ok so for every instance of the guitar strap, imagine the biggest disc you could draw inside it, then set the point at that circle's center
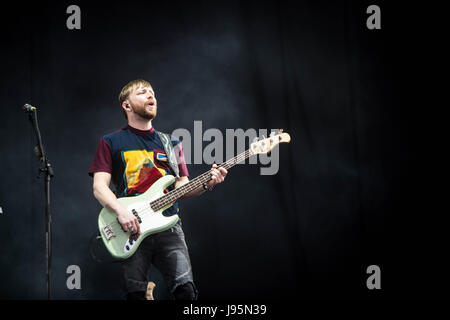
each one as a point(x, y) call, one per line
point(168, 148)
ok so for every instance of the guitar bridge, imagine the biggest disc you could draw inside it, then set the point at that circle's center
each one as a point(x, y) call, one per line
point(108, 232)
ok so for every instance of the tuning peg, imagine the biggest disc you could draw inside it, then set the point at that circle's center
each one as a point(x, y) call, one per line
point(280, 131)
point(263, 136)
point(272, 134)
point(255, 139)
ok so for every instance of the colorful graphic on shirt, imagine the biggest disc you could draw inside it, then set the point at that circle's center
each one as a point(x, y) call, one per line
point(140, 171)
point(161, 156)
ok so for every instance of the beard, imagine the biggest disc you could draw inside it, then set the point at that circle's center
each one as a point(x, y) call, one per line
point(146, 114)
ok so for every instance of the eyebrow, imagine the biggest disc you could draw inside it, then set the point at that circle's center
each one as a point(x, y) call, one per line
point(144, 88)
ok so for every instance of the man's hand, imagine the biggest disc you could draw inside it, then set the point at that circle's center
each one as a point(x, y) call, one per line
point(107, 198)
point(217, 176)
point(128, 221)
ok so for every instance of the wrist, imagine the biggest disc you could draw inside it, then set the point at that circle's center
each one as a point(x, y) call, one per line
point(205, 187)
point(120, 210)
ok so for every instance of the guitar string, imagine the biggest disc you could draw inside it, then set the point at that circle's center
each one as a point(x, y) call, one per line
point(148, 207)
point(173, 195)
point(148, 210)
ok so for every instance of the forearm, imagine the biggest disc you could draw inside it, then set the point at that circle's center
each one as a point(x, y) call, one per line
point(217, 176)
point(193, 193)
point(107, 198)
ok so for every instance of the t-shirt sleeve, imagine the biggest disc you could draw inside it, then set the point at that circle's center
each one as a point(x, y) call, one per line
point(102, 159)
point(181, 161)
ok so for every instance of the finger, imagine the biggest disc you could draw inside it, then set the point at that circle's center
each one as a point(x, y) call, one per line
point(138, 227)
point(135, 226)
point(131, 226)
point(223, 171)
point(218, 173)
point(217, 178)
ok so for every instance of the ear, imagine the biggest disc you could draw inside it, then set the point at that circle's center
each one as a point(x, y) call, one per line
point(126, 105)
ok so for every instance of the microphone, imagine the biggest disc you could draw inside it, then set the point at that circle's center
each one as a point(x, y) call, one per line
point(28, 107)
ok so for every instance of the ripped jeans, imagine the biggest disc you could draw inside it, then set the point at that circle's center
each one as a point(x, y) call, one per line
point(168, 252)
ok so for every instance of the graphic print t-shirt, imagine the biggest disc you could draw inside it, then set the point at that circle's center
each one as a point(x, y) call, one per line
point(136, 159)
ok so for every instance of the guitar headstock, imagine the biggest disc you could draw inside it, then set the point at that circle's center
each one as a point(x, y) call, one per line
point(266, 145)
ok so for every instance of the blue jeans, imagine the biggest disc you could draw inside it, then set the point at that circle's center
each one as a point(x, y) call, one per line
point(168, 252)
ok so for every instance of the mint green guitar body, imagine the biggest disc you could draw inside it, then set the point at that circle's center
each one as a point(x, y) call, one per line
point(122, 244)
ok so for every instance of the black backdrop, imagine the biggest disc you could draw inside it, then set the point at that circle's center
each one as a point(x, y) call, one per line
point(310, 67)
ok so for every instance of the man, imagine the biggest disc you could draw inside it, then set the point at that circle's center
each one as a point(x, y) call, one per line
point(133, 158)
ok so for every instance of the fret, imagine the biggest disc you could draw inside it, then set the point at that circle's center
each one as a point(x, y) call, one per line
point(175, 194)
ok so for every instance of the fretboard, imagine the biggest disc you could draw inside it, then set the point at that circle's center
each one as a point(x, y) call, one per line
point(177, 193)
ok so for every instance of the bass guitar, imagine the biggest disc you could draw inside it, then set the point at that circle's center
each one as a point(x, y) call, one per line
point(148, 207)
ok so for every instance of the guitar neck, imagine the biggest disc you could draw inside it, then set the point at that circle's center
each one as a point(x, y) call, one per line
point(177, 193)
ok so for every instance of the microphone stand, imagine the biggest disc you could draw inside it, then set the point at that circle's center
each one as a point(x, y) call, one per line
point(48, 174)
